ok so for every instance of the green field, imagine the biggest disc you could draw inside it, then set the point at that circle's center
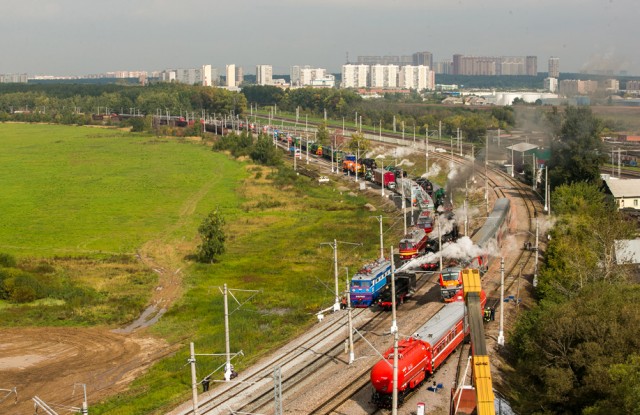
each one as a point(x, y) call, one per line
point(74, 197)
point(76, 190)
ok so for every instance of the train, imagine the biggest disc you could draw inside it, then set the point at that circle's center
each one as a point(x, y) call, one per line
point(369, 282)
point(405, 286)
point(488, 239)
point(413, 244)
point(421, 354)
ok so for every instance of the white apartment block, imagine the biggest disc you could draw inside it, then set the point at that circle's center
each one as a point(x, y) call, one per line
point(13, 78)
point(355, 76)
point(191, 76)
point(551, 84)
point(328, 81)
point(264, 75)
point(306, 75)
point(231, 75)
point(416, 77)
point(384, 76)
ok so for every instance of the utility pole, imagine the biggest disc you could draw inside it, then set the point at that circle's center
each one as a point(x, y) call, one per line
point(394, 401)
point(546, 187)
point(394, 324)
point(535, 275)
point(381, 237)
point(227, 366)
point(382, 183)
point(440, 242)
point(334, 245)
point(277, 390)
point(426, 152)
point(350, 321)
point(501, 332)
point(194, 382)
point(404, 213)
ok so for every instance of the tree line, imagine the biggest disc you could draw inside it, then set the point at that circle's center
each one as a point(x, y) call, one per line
point(576, 350)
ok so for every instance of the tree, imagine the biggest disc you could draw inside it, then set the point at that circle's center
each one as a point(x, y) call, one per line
point(359, 143)
point(213, 237)
point(264, 152)
point(577, 154)
point(322, 136)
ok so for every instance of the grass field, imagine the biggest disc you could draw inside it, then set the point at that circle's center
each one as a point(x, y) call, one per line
point(74, 191)
point(82, 200)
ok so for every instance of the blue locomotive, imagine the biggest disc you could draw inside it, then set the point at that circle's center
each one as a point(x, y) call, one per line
point(369, 282)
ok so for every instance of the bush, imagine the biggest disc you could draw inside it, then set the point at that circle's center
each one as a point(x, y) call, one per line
point(7, 261)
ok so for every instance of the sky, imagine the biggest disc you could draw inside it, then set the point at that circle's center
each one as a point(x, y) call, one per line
point(80, 37)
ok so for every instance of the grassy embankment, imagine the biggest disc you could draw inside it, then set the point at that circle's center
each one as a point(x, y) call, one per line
point(79, 202)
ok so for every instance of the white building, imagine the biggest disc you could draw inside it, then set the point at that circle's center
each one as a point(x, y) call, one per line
point(306, 75)
point(231, 75)
point(551, 84)
point(328, 81)
point(190, 76)
point(554, 67)
point(416, 77)
point(384, 76)
point(264, 75)
point(13, 78)
point(625, 192)
point(355, 76)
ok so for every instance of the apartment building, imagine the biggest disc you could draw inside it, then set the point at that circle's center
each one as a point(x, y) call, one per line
point(384, 76)
point(307, 76)
point(495, 65)
point(554, 67)
point(264, 75)
point(573, 87)
point(416, 77)
point(355, 76)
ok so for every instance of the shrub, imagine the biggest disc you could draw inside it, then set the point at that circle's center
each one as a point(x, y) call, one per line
point(7, 260)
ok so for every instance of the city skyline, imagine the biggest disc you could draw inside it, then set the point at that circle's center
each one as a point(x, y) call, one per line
point(68, 37)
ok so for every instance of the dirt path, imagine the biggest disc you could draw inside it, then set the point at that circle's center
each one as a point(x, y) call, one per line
point(47, 362)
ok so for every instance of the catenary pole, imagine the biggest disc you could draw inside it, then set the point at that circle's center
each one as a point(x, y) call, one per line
point(501, 332)
point(194, 383)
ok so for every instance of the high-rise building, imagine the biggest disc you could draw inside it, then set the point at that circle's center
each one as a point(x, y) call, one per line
point(554, 67)
point(306, 75)
point(444, 67)
point(190, 76)
point(632, 86)
point(457, 64)
point(231, 75)
point(611, 85)
point(355, 76)
point(495, 65)
point(13, 78)
point(416, 77)
point(239, 75)
point(573, 87)
point(385, 60)
point(531, 66)
point(551, 84)
point(264, 74)
point(384, 76)
point(423, 58)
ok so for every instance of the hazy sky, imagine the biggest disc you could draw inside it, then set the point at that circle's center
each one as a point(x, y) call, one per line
point(78, 37)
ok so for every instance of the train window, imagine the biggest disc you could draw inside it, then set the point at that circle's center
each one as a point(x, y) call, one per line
point(635, 202)
point(450, 276)
point(360, 284)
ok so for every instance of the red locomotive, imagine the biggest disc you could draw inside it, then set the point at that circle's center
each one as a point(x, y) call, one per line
point(421, 354)
point(413, 244)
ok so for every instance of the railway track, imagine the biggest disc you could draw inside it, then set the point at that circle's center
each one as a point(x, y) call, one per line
point(304, 359)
